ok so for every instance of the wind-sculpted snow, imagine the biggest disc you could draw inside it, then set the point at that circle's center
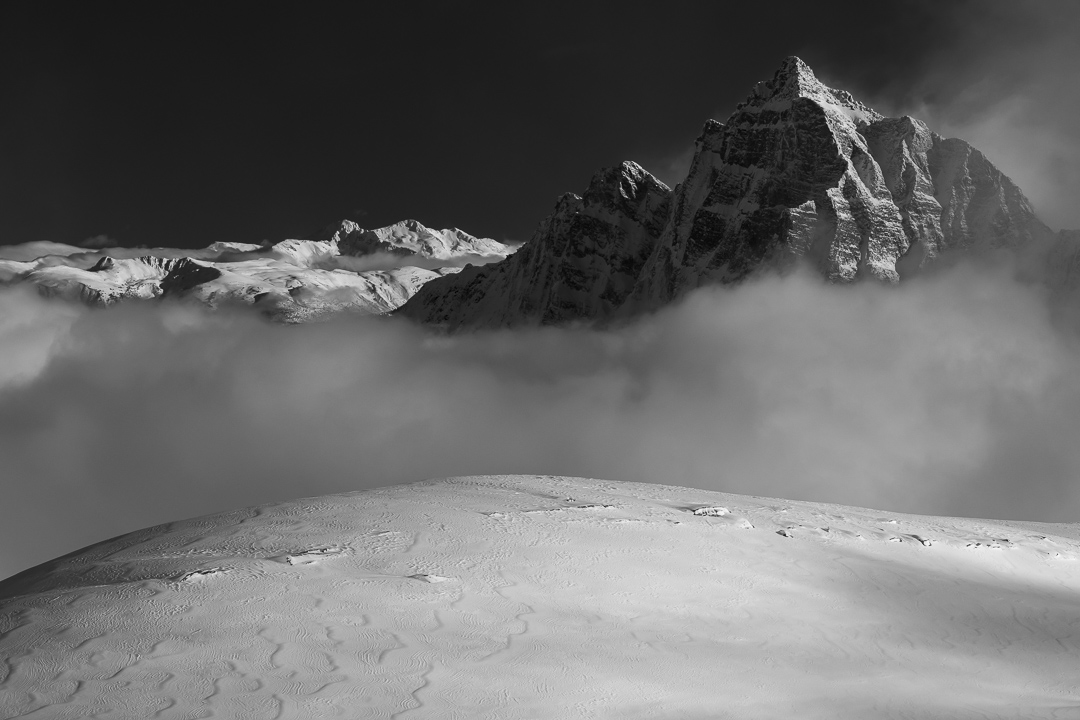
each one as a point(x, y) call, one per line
point(550, 597)
point(292, 280)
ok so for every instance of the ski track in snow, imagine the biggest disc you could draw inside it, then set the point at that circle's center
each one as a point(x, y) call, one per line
point(536, 597)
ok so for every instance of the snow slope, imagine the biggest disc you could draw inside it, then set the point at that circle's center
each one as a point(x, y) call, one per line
point(545, 597)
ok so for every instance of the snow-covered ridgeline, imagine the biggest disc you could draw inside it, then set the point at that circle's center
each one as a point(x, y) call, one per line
point(293, 279)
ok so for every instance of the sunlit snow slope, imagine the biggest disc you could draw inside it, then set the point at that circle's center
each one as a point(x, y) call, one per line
point(543, 597)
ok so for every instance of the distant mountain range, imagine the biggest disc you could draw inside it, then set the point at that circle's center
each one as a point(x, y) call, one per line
point(799, 173)
point(347, 268)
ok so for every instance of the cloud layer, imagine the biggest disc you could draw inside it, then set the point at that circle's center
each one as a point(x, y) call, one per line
point(954, 394)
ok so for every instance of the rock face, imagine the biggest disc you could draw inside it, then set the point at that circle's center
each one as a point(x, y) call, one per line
point(293, 280)
point(581, 263)
point(800, 172)
point(789, 174)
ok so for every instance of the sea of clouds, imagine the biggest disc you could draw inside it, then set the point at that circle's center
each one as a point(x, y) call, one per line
point(956, 393)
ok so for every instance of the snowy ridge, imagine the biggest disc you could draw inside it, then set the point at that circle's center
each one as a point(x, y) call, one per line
point(292, 280)
point(410, 237)
point(548, 597)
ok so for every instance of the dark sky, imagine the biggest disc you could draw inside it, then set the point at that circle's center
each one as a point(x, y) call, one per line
point(182, 124)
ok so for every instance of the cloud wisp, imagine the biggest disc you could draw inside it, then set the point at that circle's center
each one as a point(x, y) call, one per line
point(955, 393)
point(1008, 85)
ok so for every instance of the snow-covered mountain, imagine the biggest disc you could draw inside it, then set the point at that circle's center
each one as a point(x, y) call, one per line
point(799, 171)
point(544, 597)
point(409, 237)
point(293, 280)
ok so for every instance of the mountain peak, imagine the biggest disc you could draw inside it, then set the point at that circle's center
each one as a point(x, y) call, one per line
point(795, 79)
point(413, 225)
point(624, 182)
point(793, 69)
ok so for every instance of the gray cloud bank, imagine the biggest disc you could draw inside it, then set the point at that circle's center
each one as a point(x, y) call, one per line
point(956, 393)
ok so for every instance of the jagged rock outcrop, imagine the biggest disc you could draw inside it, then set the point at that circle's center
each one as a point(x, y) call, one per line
point(788, 175)
point(185, 275)
point(801, 170)
point(799, 173)
point(901, 147)
point(581, 263)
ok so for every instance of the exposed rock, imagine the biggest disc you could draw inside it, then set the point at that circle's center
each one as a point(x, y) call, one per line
point(799, 173)
point(581, 263)
point(980, 205)
point(805, 171)
point(187, 274)
point(901, 147)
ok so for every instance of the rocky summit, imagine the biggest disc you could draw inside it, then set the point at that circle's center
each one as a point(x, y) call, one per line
point(800, 171)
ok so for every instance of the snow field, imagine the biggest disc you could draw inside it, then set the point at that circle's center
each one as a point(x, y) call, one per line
point(537, 597)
